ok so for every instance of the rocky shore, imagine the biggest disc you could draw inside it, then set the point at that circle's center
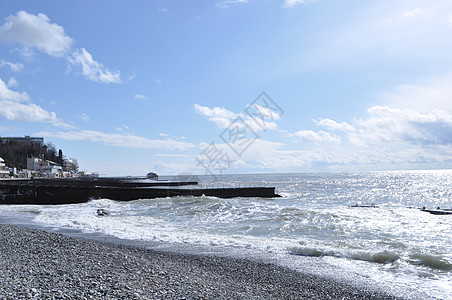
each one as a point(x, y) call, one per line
point(35, 264)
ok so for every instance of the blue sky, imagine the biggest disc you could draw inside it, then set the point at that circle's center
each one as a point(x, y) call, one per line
point(174, 87)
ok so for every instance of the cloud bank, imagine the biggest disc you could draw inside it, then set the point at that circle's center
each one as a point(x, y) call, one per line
point(36, 31)
point(224, 118)
point(118, 140)
point(16, 106)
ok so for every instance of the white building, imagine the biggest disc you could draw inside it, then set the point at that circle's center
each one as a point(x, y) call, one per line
point(3, 172)
point(34, 164)
point(68, 165)
point(52, 169)
point(46, 167)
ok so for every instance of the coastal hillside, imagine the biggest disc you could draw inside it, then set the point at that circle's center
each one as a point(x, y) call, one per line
point(15, 151)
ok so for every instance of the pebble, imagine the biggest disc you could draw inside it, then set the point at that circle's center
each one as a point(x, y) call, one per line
point(36, 264)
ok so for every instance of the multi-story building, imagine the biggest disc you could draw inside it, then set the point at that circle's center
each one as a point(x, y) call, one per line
point(45, 167)
point(27, 138)
point(3, 171)
point(68, 165)
point(34, 164)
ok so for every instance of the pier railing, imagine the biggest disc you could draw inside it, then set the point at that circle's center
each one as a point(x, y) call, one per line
point(237, 185)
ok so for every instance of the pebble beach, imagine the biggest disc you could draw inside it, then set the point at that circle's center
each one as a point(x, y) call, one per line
point(36, 264)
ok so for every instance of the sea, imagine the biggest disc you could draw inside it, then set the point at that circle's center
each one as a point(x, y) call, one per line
point(364, 228)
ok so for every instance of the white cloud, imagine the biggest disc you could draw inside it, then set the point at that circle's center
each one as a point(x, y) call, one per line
point(267, 155)
point(413, 129)
point(412, 13)
point(118, 140)
point(223, 118)
point(28, 113)
point(16, 67)
point(13, 108)
point(414, 113)
point(92, 69)
point(140, 97)
point(158, 81)
point(266, 112)
point(84, 117)
point(7, 94)
point(36, 31)
point(228, 3)
point(292, 3)
point(388, 127)
point(433, 93)
point(218, 115)
point(394, 125)
point(12, 82)
point(25, 52)
point(125, 130)
point(278, 157)
point(259, 150)
point(253, 157)
point(317, 136)
point(333, 125)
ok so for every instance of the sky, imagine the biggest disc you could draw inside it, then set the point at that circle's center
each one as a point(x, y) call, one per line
point(231, 86)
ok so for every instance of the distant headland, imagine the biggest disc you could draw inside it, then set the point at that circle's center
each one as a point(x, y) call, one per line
point(34, 172)
point(26, 157)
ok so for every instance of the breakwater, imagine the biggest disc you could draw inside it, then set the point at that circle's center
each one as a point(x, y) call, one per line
point(79, 190)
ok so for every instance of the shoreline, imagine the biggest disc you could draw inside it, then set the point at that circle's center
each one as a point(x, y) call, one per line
point(40, 264)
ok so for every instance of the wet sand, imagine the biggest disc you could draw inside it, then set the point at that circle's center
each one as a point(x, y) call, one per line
point(36, 264)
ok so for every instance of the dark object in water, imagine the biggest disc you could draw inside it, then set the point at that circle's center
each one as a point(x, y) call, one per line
point(358, 205)
point(152, 175)
point(438, 211)
point(102, 212)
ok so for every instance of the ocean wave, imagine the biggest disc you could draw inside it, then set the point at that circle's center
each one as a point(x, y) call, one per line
point(431, 261)
point(383, 257)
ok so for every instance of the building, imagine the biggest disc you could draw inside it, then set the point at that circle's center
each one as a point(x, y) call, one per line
point(68, 165)
point(4, 173)
point(52, 169)
point(34, 164)
point(27, 138)
point(44, 167)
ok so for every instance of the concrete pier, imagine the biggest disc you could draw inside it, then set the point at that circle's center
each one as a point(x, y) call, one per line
point(67, 191)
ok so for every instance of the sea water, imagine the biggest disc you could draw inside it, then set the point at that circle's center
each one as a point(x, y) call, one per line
point(392, 243)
